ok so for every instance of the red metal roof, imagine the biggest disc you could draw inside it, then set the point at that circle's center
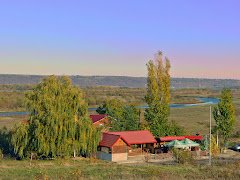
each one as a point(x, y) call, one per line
point(172, 138)
point(136, 137)
point(108, 140)
point(97, 117)
point(194, 138)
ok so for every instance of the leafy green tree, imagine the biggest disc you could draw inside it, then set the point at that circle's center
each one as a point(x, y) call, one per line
point(59, 124)
point(224, 115)
point(131, 116)
point(204, 145)
point(122, 117)
point(158, 97)
point(21, 140)
point(5, 138)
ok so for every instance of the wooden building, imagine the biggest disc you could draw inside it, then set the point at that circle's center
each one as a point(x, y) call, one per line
point(112, 148)
point(117, 146)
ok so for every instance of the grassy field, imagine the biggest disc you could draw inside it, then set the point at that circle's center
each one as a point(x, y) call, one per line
point(95, 169)
point(9, 122)
point(196, 119)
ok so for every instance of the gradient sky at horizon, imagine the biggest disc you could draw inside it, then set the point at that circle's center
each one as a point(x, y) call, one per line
point(201, 38)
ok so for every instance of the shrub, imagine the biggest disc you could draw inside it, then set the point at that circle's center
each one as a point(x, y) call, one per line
point(183, 156)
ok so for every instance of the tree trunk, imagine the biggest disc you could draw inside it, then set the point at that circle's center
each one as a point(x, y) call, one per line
point(74, 153)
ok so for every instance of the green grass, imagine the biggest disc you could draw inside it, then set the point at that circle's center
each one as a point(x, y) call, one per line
point(96, 169)
point(192, 119)
point(196, 119)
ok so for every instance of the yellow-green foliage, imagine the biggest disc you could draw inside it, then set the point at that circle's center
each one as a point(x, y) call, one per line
point(158, 97)
point(224, 114)
point(58, 124)
point(214, 147)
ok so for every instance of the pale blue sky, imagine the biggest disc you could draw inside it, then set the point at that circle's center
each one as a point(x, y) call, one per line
point(201, 38)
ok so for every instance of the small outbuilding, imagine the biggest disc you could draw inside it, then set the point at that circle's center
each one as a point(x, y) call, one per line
point(112, 148)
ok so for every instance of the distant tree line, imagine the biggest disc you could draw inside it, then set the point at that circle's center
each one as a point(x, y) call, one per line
point(122, 81)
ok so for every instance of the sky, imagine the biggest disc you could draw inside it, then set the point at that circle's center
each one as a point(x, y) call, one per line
point(76, 37)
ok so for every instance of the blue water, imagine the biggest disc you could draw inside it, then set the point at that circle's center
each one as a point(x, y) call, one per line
point(203, 101)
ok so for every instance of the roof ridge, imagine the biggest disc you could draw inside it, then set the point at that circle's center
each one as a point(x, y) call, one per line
point(97, 114)
point(111, 134)
point(127, 131)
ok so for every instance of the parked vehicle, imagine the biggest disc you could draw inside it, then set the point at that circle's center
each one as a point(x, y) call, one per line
point(162, 149)
point(235, 148)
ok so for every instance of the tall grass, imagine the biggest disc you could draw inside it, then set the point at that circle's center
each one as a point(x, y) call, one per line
point(86, 169)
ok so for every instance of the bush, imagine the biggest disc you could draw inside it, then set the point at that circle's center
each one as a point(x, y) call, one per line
point(183, 156)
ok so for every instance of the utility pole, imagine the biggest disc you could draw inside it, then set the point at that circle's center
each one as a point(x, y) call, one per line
point(210, 133)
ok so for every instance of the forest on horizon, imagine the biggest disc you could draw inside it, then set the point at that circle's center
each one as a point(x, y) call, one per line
point(123, 81)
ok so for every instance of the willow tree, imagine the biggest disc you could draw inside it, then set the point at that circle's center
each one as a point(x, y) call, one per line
point(224, 115)
point(158, 97)
point(59, 124)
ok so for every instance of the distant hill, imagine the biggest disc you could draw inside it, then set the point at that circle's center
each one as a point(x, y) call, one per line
point(124, 81)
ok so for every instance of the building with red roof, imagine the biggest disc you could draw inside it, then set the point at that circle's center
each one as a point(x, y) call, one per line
point(117, 146)
point(99, 120)
point(112, 148)
point(136, 137)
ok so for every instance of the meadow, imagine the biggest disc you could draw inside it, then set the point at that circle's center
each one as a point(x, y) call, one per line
point(82, 168)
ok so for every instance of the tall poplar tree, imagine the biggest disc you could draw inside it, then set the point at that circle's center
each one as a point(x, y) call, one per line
point(224, 115)
point(59, 124)
point(158, 97)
